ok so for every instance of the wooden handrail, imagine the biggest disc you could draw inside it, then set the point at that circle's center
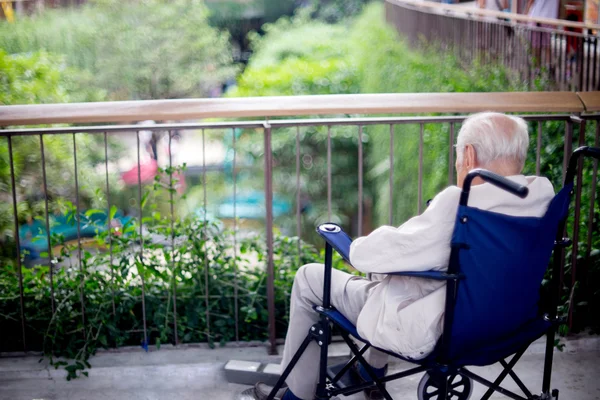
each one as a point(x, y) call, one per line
point(367, 104)
point(590, 100)
point(457, 10)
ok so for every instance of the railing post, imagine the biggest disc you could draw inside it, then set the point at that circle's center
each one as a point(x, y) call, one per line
point(538, 149)
point(391, 199)
point(141, 233)
point(109, 228)
point(17, 241)
point(576, 220)
point(47, 215)
point(78, 221)
point(205, 237)
point(587, 284)
point(269, 232)
point(173, 263)
point(298, 208)
point(360, 181)
point(451, 155)
point(235, 265)
point(420, 173)
point(593, 85)
point(329, 173)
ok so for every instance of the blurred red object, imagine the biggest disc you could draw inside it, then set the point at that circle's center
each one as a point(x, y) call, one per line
point(147, 172)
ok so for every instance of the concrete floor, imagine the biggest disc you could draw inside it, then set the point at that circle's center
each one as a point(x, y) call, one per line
point(197, 373)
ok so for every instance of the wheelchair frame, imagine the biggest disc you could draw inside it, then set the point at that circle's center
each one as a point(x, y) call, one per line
point(329, 384)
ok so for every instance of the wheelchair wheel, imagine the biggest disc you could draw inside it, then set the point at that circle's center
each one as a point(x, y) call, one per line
point(460, 388)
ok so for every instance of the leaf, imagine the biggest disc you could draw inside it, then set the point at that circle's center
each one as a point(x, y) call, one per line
point(113, 212)
point(94, 211)
point(71, 368)
point(144, 200)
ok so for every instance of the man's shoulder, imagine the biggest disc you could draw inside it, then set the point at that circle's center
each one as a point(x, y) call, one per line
point(541, 188)
point(446, 198)
point(540, 182)
point(450, 193)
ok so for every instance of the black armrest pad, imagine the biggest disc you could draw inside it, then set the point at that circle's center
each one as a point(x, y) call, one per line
point(337, 238)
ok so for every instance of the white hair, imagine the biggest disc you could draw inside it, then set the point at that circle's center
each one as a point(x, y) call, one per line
point(494, 136)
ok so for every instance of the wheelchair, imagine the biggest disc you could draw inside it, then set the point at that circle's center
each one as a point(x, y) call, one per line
point(489, 318)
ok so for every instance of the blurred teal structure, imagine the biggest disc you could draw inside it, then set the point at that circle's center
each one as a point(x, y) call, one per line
point(33, 236)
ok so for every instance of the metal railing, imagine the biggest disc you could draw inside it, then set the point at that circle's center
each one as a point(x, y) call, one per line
point(558, 54)
point(575, 127)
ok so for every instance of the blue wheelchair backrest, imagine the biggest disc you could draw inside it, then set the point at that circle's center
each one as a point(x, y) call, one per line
point(503, 260)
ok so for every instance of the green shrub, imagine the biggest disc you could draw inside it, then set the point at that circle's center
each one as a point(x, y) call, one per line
point(40, 77)
point(299, 56)
point(148, 50)
point(385, 64)
point(35, 78)
point(202, 273)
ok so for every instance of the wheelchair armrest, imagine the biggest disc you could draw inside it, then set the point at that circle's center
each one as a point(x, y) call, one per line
point(337, 238)
point(435, 275)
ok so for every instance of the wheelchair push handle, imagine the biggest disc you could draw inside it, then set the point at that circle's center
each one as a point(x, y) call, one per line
point(496, 180)
point(584, 151)
point(591, 152)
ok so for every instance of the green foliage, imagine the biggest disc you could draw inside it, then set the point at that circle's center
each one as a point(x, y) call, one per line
point(44, 78)
point(230, 12)
point(386, 64)
point(187, 260)
point(337, 10)
point(148, 50)
point(299, 56)
point(40, 77)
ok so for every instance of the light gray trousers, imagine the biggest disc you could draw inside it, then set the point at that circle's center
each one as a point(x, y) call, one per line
point(348, 295)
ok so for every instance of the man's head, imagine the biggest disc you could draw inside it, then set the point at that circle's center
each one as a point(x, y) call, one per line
point(493, 141)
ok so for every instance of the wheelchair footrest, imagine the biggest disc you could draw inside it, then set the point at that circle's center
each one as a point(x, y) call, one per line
point(345, 380)
point(250, 372)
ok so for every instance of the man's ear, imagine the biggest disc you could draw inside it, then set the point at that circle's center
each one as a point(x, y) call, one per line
point(470, 157)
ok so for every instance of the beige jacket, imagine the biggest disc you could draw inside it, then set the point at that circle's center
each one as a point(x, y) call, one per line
point(405, 314)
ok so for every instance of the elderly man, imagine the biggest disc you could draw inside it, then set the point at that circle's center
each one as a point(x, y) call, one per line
point(405, 314)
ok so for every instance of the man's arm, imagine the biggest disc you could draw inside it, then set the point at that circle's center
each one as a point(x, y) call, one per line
point(420, 244)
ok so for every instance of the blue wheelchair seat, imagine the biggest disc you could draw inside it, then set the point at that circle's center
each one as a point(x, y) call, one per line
point(338, 318)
